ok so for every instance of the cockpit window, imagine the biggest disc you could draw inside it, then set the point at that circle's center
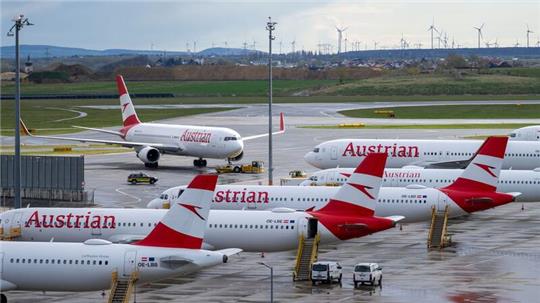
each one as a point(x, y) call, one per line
point(313, 178)
point(512, 135)
point(316, 150)
point(164, 197)
point(231, 138)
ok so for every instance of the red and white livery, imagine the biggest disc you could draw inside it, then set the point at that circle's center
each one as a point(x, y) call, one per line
point(347, 214)
point(413, 201)
point(151, 140)
point(424, 153)
point(172, 247)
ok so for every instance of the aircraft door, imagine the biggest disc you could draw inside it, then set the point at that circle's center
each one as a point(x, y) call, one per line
point(333, 153)
point(130, 262)
point(17, 220)
point(312, 224)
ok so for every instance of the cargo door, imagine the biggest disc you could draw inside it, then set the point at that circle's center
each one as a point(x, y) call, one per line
point(130, 262)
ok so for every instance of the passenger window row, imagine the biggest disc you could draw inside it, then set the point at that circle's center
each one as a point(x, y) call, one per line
point(251, 226)
point(58, 261)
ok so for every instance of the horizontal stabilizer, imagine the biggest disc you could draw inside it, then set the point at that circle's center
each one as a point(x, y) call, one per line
point(395, 219)
point(126, 239)
point(230, 251)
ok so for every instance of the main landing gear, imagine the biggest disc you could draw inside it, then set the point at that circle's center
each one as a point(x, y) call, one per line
point(151, 165)
point(199, 163)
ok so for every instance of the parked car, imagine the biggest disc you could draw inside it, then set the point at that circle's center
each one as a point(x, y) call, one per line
point(325, 272)
point(370, 273)
point(141, 178)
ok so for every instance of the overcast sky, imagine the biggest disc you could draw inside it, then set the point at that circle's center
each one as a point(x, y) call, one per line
point(170, 25)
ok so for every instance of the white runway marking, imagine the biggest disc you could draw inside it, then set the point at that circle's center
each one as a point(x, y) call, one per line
point(137, 199)
point(81, 114)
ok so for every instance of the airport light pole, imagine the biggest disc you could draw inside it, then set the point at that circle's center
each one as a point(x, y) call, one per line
point(271, 280)
point(270, 27)
point(20, 22)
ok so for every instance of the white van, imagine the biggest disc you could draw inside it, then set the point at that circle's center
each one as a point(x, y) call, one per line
point(367, 273)
point(325, 272)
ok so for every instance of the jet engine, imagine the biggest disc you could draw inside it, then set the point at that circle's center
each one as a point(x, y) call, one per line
point(148, 154)
point(237, 157)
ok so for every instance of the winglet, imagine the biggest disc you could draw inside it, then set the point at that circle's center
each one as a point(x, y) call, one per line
point(358, 196)
point(183, 226)
point(281, 122)
point(482, 173)
point(24, 129)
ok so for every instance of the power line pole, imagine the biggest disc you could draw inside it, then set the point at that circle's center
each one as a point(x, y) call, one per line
point(20, 21)
point(270, 27)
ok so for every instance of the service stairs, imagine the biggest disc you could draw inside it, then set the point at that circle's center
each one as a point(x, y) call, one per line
point(122, 288)
point(308, 249)
point(438, 232)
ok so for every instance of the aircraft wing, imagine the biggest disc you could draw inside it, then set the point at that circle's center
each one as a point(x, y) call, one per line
point(459, 164)
point(281, 130)
point(126, 239)
point(6, 285)
point(160, 146)
point(112, 132)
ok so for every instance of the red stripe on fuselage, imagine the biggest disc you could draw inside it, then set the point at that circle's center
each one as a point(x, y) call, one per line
point(342, 227)
point(164, 236)
point(464, 184)
point(341, 208)
point(473, 201)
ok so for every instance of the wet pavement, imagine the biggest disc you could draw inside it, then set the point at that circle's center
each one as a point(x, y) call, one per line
point(495, 256)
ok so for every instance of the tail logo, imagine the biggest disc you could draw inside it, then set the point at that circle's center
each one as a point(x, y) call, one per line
point(487, 168)
point(363, 189)
point(192, 209)
point(124, 106)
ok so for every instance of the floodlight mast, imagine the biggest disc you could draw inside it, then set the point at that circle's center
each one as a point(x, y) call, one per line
point(270, 27)
point(20, 22)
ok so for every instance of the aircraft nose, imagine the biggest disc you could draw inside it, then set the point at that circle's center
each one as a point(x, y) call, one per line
point(310, 158)
point(155, 203)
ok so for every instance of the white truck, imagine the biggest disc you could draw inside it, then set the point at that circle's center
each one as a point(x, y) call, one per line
point(326, 272)
point(370, 273)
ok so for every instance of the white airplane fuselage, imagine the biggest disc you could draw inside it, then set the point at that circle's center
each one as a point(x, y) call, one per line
point(349, 152)
point(527, 182)
point(194, 141)
point(248, 230)
point(83, 267)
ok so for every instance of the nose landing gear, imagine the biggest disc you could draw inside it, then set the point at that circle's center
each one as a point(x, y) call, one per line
point(199, 163)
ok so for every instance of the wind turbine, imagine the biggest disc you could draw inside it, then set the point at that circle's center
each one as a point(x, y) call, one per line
point(340, 36)
point(432, 29)
point(528, 32)
point(517, 43)
point(479, 29)
point(293, 44)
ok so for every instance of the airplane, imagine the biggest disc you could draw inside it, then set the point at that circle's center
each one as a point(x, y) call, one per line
point(424, 153)
point(347, 214)
point(151, 140)
point(526, 182)
point(171, 247)
point(527, 133)
point(474, 190)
